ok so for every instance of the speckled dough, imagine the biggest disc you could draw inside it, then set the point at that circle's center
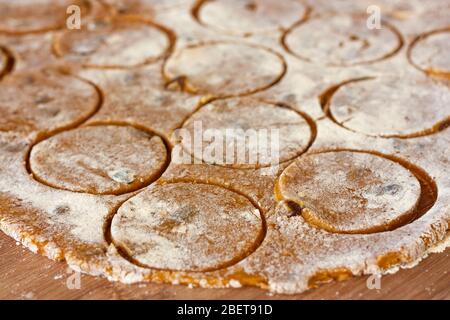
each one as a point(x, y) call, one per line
point(26, 16)
point(350, 192)
point(430, 52)
point(249, 68)
point(99, 159)
point(185, 226)
point(48, 100)
point(340, 40)
point(141, 7)
point(115, 42)
point(254, 16)
point(361, 105)
point(139, 97)
point(96, 169)
point(239, 122)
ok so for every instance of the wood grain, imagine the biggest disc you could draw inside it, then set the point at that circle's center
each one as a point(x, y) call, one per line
point(24, 275)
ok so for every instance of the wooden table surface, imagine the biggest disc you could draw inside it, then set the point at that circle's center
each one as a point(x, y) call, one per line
point(24, 275)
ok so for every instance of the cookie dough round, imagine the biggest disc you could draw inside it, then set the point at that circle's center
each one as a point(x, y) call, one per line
point(391, 106)
point(249, 16)
point(99, 159)
point(117, 43)
point(214, 226)
point(351, 192)
point(44, 101)
point(255, 133)
point(200, 68)
point(430, 52)
point(342, 40)
point(187, 227)
point(29, 16)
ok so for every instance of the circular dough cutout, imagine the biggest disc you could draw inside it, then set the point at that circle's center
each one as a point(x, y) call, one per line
point(342, 40)
point(245, 17)
point(430, 52)
point(391, 106)
point(47, 101)
point(224, 68)
point(391, 9)
point(253, 133)
point(187, 227)
point(99, 159)
point(118, 43)
point(29, 16)
point(351, 192)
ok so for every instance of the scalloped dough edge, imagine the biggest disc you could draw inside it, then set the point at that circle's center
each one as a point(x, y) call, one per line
point(115, 268)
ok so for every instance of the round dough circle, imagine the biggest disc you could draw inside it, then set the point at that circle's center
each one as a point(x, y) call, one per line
point(119, 43)
point(26, 16)
point(282, 133)
point(47, 101)
point(341, 40)
point(249, 68)
point(99, 159)
point(351, 192)
point(249, 17)
point(187, 227)
point(430, 52)
point(392, 106)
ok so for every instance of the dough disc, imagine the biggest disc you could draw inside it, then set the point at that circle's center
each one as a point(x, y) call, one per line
point(47, 101)
point(99, 159)
point(351, 192)
point(186, 226)
point(282, 133)
point(341, 40)
point(117, 43)
point(363, 106)
point(430, 52)
point(199, 68)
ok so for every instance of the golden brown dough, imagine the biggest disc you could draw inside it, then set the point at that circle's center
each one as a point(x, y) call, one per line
point(48, 101)
point(92, 125)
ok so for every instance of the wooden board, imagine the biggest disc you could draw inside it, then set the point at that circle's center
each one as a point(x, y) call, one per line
point(24, 275)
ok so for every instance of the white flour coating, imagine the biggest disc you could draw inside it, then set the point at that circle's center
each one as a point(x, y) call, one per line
point(293, 254)
point(99, 159)
point(362, 105)
point(431, 53)
point(47, 101)
point(140, 98)
point(121, 42)
point(22, 16)
point(340, 40)
point(30, 50)
point(350, 192)
point(440, 247)
point(248, 68)
point(255, 133)
point(186, 226)
point(80, 214)
point(254, 16)
point(145, 8)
